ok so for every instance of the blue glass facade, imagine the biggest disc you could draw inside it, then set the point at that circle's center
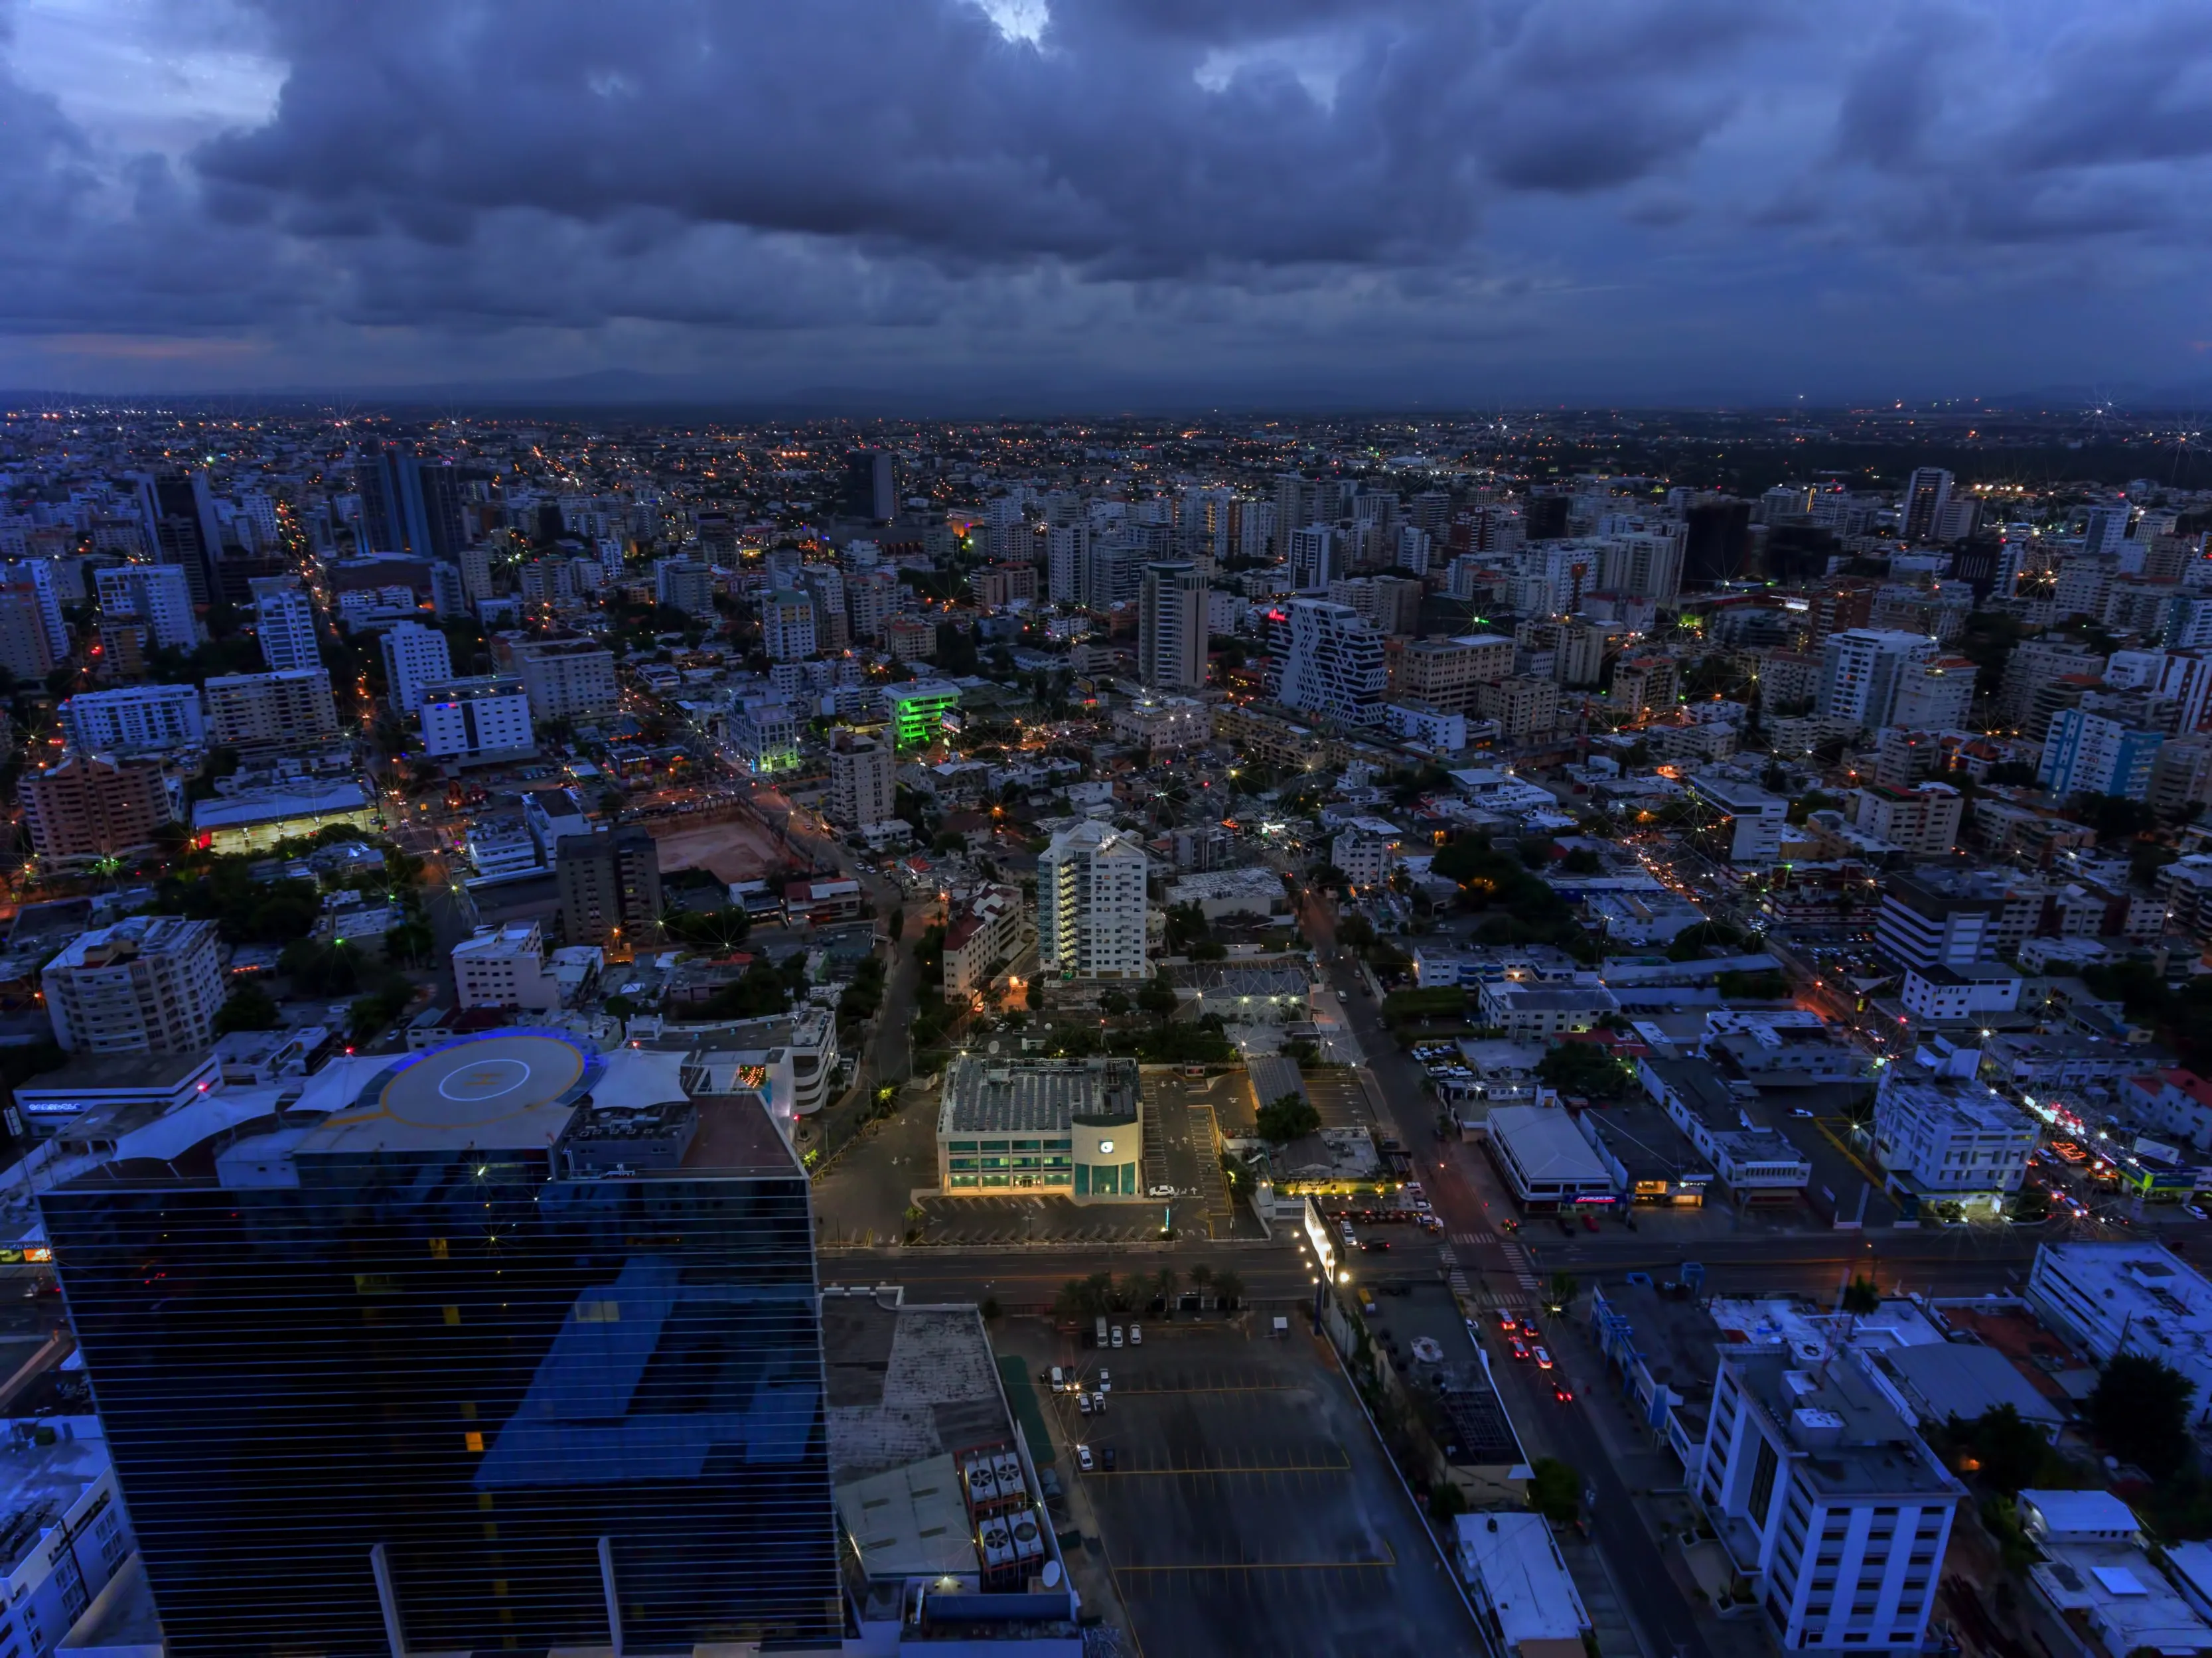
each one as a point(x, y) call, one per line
point(498, 1398)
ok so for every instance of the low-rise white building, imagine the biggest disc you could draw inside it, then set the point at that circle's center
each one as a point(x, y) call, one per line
point(1544, 1156)
point(1825, 1499)
point(1941, 994)
point(1522, 1011)
point(477, 721)
point(2095, 1569)
point(1518, 1582)
point(1943, 1136)
point(1750, 822)
point(506, 967)
point(1364, 859)
point(2129, 1298)
point(1255, 893)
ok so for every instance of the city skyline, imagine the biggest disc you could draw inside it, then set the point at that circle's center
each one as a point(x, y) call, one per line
point(1035, 208)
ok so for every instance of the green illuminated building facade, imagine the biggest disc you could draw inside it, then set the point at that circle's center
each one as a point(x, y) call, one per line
point(918, 710)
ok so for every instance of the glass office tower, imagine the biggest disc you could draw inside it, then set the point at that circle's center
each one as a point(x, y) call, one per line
point(516, 1348)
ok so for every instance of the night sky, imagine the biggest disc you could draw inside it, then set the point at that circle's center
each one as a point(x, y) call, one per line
point(1062, 203)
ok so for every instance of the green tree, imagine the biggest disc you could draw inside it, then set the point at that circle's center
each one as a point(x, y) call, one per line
point(2009, 1447)
point(1228, 1289)
point(1355, 931)
point(1157, 998)
point(1555, 1491)
point(249, 1008)
point(1113, 1004)
point(2140, 1410)
point(894, 924)
point(320, 968)
point(1862, 1296)
point(1583, 1069)
point(1690, 944)
point(1289, 1117)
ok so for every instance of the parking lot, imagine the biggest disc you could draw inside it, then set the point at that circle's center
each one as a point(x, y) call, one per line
point(1037, 1219)
point(1337, 1094)
point(1250, 1508)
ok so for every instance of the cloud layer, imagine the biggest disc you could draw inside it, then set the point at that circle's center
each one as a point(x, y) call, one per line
point(1062, 201)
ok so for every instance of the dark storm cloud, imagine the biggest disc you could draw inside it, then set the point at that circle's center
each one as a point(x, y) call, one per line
point(1176, 180)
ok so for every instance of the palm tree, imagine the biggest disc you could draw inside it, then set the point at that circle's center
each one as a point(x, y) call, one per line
point(1228, 1289)
point(1861, 1296)
point(1163, 1288)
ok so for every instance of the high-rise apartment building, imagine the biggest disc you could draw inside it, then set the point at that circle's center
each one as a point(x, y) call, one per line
point(1443, 672)
point(135, 720)
point(92, 807)
point(1090, 904)
point(590, 1419)
point(46, 593)
point(787, 626)
point(413, 656)
point(1922, 819)
point(2086, 753)
point(26, 642)
point(872, 485)
point(1325, 661)
point(1313, 558)
point(1861, 670)
point(290, 709)
point(155, 594)
point(609, 888)
point(284, 622)
point(477, 721)
point(860, 781)
point(872, 599)
point(1935, 694)
point(567, 678)
point(1171, 627)
point(148, 984)
point(1926, 493)
point(686, 585)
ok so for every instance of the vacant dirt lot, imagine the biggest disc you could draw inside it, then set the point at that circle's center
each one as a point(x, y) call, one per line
point(736, 851)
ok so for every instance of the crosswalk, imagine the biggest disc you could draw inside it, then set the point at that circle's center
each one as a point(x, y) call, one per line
point(1517, 1258)
point(1474, 1239)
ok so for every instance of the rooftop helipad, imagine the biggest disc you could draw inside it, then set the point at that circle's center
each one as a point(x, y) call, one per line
point(508, 1090)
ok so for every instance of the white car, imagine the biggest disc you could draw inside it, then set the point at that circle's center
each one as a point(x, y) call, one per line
point(1083, 1458)
point(1136, 1335)
point(1105, 1383)
point(1083, 1402)
point(1117, 1335)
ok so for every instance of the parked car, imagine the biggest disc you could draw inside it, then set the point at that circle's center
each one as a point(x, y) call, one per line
point(1117, 1335)
point(1105, 1383)
point(1108, 1453)
point(1083, 1458)
point(1136, 1335)
point(1083, 1402)
point(1590, 1221)
point(1059, 1379)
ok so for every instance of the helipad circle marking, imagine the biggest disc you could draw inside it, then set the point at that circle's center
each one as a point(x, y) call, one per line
point(476, 1079)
